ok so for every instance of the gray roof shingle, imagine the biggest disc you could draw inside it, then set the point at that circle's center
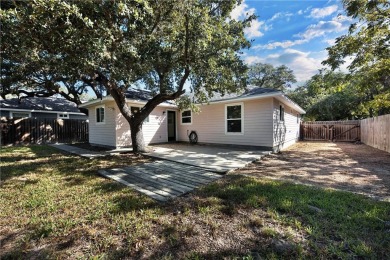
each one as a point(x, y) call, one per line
point(251, 91)
point(40, 103)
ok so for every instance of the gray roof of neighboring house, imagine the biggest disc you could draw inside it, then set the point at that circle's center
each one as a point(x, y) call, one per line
point(40, 103)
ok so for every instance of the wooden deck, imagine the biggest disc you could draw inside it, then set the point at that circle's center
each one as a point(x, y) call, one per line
point(162, 180)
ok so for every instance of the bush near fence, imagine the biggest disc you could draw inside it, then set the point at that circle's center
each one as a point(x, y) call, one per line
point(43, 130)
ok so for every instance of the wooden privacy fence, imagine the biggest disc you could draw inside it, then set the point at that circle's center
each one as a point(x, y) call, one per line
point(331, 130)
point(42, 130)
point(376, 132)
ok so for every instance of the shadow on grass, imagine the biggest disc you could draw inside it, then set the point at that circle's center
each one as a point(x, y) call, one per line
point(341, 224)
point(349, 220)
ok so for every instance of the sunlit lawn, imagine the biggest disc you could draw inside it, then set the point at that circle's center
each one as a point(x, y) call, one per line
point(54, 205)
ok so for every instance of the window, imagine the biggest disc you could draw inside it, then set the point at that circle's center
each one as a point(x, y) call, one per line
point(100, 115)
point(186, 117)
point(18, 115)
point(298, 118)
point(135, 110)
point(63, 116)
point(281, 116)
point(234, 118)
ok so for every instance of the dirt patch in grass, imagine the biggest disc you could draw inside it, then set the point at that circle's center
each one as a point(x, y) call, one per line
point(54, 205)
point(351, 167)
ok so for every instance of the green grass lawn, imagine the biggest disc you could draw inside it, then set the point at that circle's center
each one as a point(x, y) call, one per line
point(54, 205)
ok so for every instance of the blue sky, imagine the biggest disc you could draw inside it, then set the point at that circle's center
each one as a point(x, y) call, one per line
point(293, 33)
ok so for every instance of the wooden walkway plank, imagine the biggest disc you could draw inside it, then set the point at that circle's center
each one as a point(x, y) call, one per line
point(179, 186)
point(177, 176)
point(150, 186)
point(162, 180)
point(142, 178)
point(197, 177)
point(142, 190)
point(181, 180)
point(191, 168)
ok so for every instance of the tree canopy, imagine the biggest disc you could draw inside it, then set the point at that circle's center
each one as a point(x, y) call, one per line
point(267, 76)
point(115, 44)
point(368, 45)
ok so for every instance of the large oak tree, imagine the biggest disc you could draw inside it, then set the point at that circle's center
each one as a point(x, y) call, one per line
point(368, 45)
point(114, 44)
point(267, 76)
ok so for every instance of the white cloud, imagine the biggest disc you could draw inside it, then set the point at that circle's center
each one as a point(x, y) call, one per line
point(323, 12)
point(322, 28)
point(304, 64)
point(278, 15)
point(255, 29)
point(300, 12)
point(241, 11)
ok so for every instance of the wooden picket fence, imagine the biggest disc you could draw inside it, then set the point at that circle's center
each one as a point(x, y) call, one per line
point(376, 132)
point(42, 130)
point(331, 130)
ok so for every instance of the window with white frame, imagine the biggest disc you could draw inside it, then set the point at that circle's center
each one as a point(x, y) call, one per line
point(135, 110)
point(18, 115)
point(234, 118)
point(186, 117)
point(281, 113)
point(100, 115)
point(63, 116)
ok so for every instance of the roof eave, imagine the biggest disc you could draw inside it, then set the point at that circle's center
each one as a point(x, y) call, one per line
point(109, 98)
point(41, 111)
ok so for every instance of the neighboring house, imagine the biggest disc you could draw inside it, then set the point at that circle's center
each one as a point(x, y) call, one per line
point(260, 117)
point(40, 107)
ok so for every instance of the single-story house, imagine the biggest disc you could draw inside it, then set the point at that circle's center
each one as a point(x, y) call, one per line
point(263, 118)
point(41, 107)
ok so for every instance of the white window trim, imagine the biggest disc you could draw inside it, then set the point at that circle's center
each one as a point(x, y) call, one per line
point(104, 121)
point(242, 118)
point(11, 114)
point(284, 113)
point(65, 116)
point(181, 117)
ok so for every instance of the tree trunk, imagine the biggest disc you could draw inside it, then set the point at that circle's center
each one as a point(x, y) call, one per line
point(137, 138)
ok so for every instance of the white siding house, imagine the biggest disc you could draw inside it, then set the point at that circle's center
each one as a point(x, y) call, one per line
point(261, 118)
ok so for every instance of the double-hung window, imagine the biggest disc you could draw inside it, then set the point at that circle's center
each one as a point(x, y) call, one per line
point(100, 115)
point(234, 118)
point(186, 117)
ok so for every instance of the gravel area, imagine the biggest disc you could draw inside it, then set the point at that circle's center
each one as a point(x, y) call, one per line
point(345, 166)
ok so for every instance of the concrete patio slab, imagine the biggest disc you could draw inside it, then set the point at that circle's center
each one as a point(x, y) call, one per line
point(215, 158)
point(78, 151)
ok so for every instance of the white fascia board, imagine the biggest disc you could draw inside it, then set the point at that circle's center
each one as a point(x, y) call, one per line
point(235, 100)
point(130, 101)
point(96, 101)
point(278, 95)
point(40, 111)
point(284, 99)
